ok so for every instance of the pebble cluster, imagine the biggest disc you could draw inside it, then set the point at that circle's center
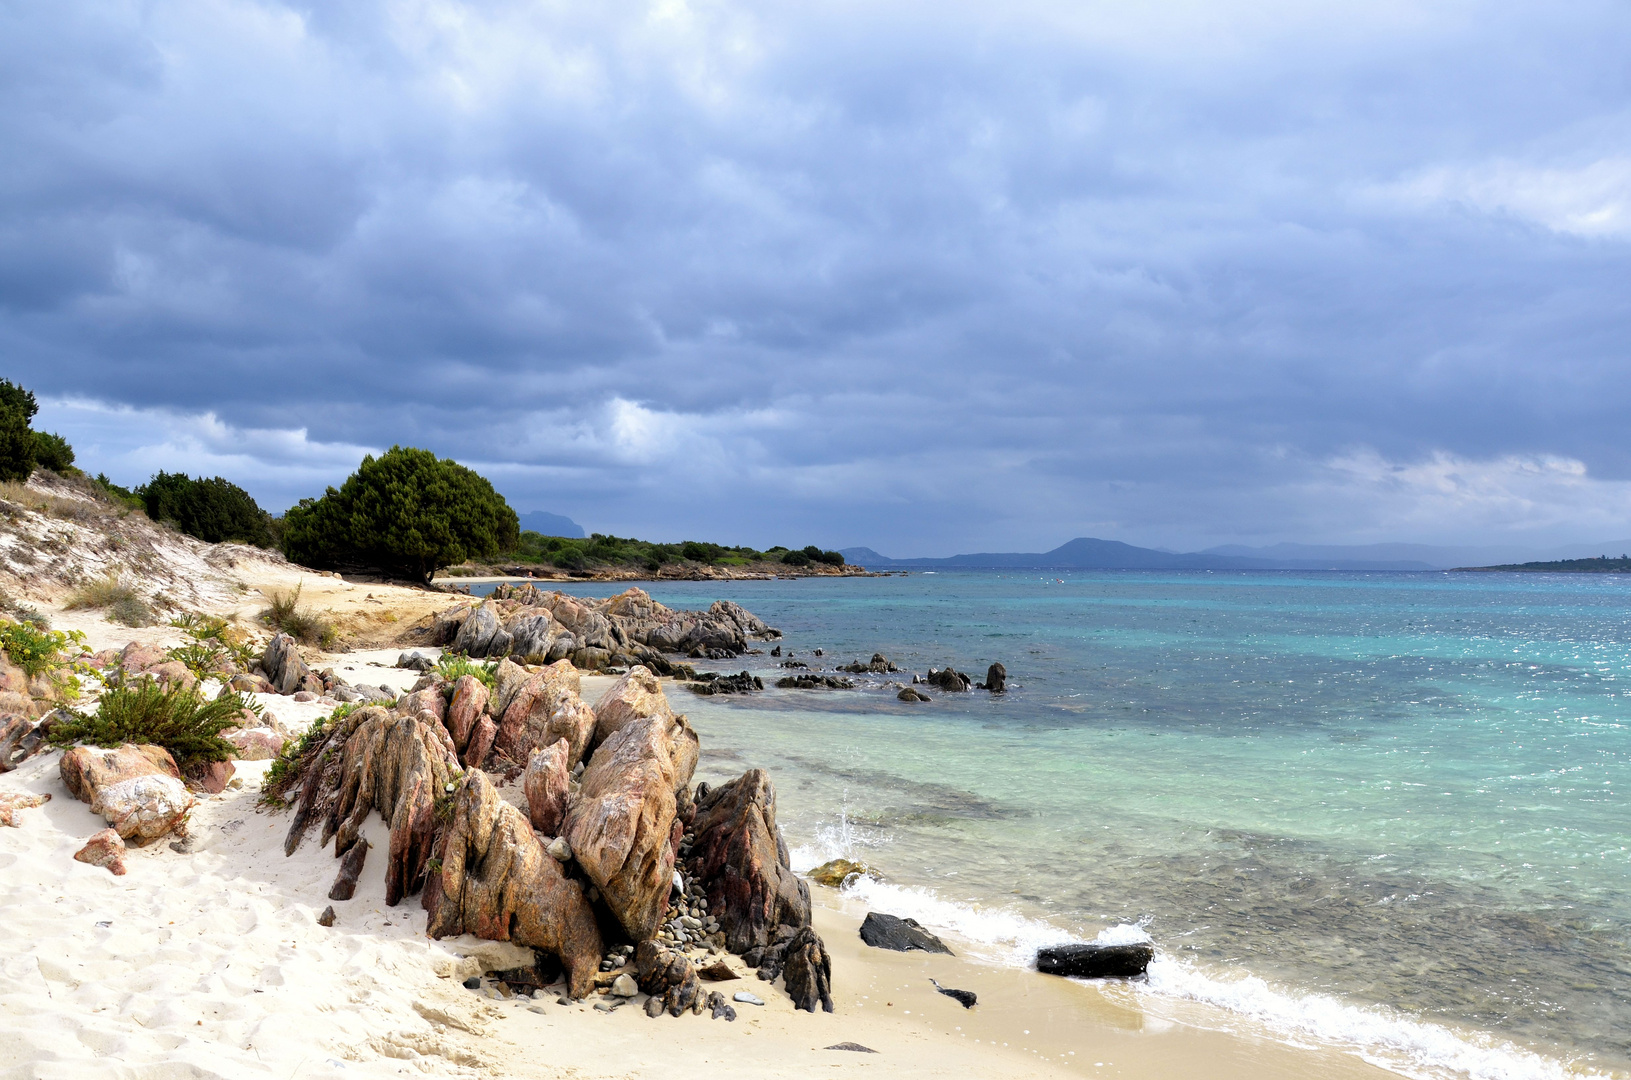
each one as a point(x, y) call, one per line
point(687, 922)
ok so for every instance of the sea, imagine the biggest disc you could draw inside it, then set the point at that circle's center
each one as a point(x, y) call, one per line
point(1385, 812)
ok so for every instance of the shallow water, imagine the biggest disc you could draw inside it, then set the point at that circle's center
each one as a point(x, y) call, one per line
point(1382, 809)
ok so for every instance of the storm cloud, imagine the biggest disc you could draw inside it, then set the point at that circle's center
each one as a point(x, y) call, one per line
point(925, 277)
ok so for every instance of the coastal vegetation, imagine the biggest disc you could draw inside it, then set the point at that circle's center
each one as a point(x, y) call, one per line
point(287, 616)
point(406, 513)
point(22, 449)
point(120, 600)
point(143, 712)
point(214, 510)
point(600, 550)
point(1602, 564)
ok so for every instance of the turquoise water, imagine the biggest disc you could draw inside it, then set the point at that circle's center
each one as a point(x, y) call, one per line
point(1384, 809)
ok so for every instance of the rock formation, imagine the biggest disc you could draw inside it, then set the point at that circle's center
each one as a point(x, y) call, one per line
point(284, 668)
point(497, 882)
point(136, 789)
point(13, 801)
point(996, 678)
point(741, 862)
point(545, 784)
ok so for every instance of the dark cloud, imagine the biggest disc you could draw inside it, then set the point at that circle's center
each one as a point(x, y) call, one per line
point(929, 278)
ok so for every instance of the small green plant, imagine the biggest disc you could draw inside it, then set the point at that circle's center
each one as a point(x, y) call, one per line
point(302, 624)
point(39, 651)
point(121, 602)
point(218, 635)
point(182, 721)
point(286, 767)
point(452, 665)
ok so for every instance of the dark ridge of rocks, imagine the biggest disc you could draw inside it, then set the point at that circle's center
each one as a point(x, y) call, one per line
point(1095, 961)
point(815, 682)
point(901, 935)
point(709, 683)
point(854, 1046)
point(879, 665)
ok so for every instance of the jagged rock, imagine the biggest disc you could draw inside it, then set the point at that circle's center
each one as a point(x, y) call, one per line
point(1090, 961)
point(621, 822)
point(835, 872)
point(879, 665)
point(544, 709)
point(136, 789)
point(497, 882)
point(373, 760)
point(667, 976)
point(481, 742)
point(106, 848)
point(469, 703)
point(415, 661)
point(13, 801)
point(546, 783)
point(996, 678)
point(327, 917)
point(741, 864)
point(901, 935)
point(718, 971)
point(447, 624)
point(718, 1007)
point(807, 971)
point(637, 696)
point(345, 882)
point(533, 637)
point(508, 680)
point(476, 633)
point(284, 668)
point(210, 776)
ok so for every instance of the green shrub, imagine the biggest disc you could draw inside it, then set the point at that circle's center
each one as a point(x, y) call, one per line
point(214, 510)
point(301, 623)
point(182, 721)
point(51, 451)
point(37, 650)
point(217, 636)
point(17, 408)
point(406, 513)
point(453, 665)
point(812, 554)
point(796, 558)
point(119, 494)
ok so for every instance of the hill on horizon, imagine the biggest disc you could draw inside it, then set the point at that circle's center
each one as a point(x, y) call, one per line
point(547, 524)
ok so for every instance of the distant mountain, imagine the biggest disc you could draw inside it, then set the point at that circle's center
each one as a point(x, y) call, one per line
point(548, 524)
point(1087, 553)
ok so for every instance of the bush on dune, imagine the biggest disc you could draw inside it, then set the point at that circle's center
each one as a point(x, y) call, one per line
point(214, 510)
point(122, 603)
point(406, 513)
point(17, 408)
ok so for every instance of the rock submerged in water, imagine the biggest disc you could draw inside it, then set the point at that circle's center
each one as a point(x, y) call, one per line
point(1096, 961)
point(901, 935)
point(834, 873)
point(996, 678)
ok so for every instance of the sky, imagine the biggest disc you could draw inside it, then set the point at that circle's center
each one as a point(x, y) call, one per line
point(925, 277)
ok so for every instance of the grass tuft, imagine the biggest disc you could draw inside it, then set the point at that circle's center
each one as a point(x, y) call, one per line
point(301, 623)
point(453, 665)
point(121, 602)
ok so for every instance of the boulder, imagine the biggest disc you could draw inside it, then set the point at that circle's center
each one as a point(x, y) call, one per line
point(949, 679)
point(508, 681)
point(481, 742)
point(620, 823)
point(284, 668)
point(638, 695)
point(475, 635)
point(497, 882)
point(256, 743)
point(210, 776)
point(144, 808)
point(251, 684)
point(426, 699)
point(835, 872)
point(137, 657)
point(908, 694)
point(13, 801)
point(996, 678)
point(446, 625)
point(107, 849)
point(807, 971)
point(1095, 961)
point(173, 673)
point(546, 784)
point(86, 770)
point(740, 862)
point(533, 637)
point(544, 709)
point(415, 661)
point(901, 935)
point(668, 976)
point(469, 703)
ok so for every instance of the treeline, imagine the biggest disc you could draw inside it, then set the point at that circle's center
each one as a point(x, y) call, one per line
point(405, 513)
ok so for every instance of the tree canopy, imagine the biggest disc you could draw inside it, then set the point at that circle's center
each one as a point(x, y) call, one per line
point(406, 513)
point(17, 408)
point(213, 510)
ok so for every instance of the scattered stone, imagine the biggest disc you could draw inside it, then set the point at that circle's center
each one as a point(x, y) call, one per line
point(13, 801)
point(184, 846)
point(415, 661)
point(835, 873)
point(1095, 961)
point(539, 1009)
point(106, 848)
point(624, 986)
point(145, 807)
point(718, 1008)
point(855, 1046)
point(654, 1006)
point(747, 998)
point(902, 935)
point(966, 998)
point(815, 682)
point(908, 694)
point(303, 696)
point(559, 849)
point(327, 917)
point(473, 983)
point(718, 971)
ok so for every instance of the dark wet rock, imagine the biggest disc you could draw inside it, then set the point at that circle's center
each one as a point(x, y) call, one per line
point(878, 665)
point(949, 679)
point(815, 682)
point(740, 862)
point(966, 998)
point(795, 664)
point(996, 678)
point(902, 935)
point(855, 1046)
point(1095, 961)
point(708, 683)
point(807, 971)
point(777, 651)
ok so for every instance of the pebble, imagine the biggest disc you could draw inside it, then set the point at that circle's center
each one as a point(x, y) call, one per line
point(472, 983)
point(559, 849)
point(327, 917)
point(539, 1009)
point(746, 998)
